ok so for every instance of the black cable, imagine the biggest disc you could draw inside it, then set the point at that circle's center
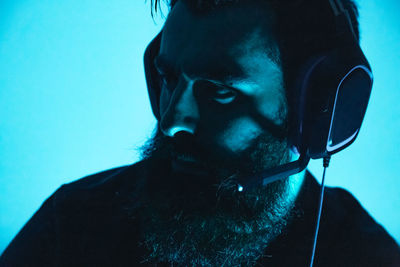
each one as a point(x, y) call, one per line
point(321, 199)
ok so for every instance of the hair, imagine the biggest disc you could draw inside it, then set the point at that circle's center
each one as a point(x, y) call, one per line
point(302, 28)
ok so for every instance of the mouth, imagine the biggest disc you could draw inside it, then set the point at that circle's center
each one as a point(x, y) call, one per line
point(188, 164)
point(186, 158)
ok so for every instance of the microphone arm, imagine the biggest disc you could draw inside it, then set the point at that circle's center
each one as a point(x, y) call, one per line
point(273, 174)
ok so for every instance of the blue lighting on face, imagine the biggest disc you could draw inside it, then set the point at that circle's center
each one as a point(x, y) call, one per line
point(73, 101)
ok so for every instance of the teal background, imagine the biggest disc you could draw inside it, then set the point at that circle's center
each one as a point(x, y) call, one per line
point(73, 101)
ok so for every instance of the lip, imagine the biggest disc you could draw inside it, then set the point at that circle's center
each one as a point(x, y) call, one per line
point(188, 164)
point(186, 158)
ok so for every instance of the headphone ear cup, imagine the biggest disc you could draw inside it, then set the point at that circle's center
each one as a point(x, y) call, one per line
point(335, 95)
point(152, 75)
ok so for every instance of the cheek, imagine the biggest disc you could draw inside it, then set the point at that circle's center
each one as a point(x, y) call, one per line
point(272, 105)
point(239, 134)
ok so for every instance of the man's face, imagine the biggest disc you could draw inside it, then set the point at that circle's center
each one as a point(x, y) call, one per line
point(223, 113)
point(222, 86)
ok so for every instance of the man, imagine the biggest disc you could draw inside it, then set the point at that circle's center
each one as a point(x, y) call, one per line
point(225, 69)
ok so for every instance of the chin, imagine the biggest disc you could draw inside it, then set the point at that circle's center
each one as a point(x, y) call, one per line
point(198, 227)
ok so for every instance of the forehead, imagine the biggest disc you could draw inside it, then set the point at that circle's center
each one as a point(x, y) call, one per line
point(213, 40)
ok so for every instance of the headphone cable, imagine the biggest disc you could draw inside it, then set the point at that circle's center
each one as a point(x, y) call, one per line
point(321, 199)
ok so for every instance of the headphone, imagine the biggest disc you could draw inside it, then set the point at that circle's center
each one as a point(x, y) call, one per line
point(332, 92)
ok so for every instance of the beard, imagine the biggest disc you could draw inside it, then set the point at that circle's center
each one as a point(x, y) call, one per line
point(190, 219)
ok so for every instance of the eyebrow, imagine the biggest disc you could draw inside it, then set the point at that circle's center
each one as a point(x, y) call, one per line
point(214, 74)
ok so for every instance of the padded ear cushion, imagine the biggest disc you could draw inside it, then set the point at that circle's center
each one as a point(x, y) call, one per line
point(152, 76)
point(298, 102)
point(321, 91)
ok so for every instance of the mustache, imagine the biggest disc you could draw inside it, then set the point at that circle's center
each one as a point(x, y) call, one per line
point(206, 157)
point(185, 145)
point(182, 145)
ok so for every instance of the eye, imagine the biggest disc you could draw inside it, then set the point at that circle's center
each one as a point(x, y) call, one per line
point(224, 95)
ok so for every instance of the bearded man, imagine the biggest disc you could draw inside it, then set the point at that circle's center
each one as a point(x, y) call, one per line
point(224, 71)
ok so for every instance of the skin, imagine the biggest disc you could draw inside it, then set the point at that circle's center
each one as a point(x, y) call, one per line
point(235, 62)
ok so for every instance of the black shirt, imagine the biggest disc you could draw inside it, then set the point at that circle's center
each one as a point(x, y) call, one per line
point(87, 223)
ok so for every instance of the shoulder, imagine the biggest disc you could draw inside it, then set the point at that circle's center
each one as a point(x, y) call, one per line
point(350, 214)
point(103, 178)
point(352, 233)
point(87, 220)
point(94, 212)
point(98, 194)
point(111, 180)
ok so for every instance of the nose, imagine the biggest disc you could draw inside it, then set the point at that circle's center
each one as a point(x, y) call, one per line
point(181, 114)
